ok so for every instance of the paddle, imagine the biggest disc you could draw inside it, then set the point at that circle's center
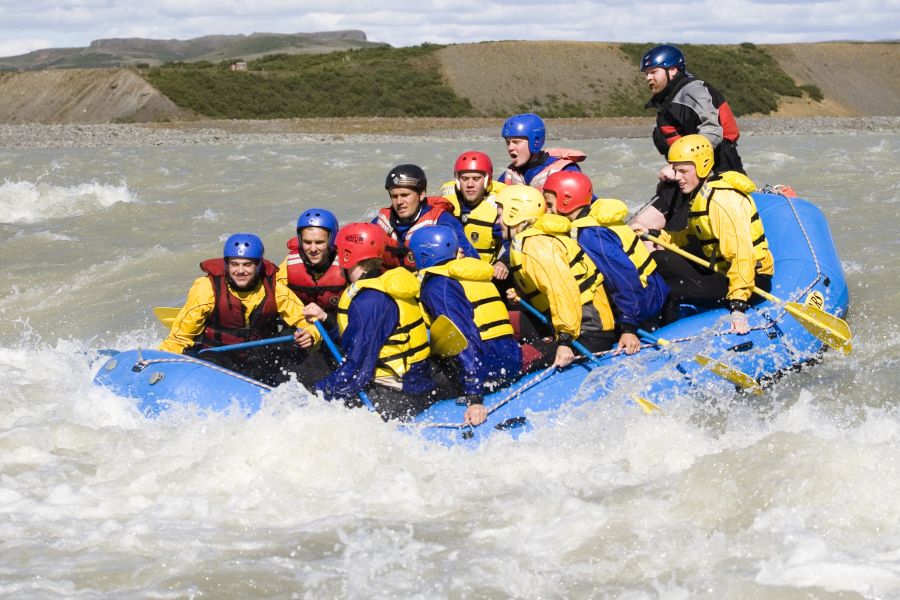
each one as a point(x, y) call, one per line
point(336, 353)
point(266, 342)
point(826, 327)
point(166, 314)
point(725, 370)
point(445, 338)
point(647, 406)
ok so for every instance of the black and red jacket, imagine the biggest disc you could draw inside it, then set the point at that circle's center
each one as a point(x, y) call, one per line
point(689, 105)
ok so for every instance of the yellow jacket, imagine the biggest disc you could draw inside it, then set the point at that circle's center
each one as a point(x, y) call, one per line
point(731, 217)
point(544, 261)
point(191, 319)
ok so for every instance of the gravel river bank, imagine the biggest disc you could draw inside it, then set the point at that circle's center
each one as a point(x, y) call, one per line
point(292, 131)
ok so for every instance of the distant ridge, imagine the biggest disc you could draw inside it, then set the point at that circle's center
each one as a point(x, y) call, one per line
point(132, 52)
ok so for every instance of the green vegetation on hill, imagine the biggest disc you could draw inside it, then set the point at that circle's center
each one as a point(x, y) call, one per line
point(398, 82)
point(384, 82)
point(749, 78)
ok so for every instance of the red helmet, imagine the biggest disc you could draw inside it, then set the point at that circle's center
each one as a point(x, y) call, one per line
point(359, 241)
point(474, 161)
point(572, 188)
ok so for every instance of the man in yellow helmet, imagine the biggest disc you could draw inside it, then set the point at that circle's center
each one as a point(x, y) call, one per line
point(554, 275)
point(725, 224)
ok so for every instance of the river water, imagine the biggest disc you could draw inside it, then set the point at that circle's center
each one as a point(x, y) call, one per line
point(791, 496)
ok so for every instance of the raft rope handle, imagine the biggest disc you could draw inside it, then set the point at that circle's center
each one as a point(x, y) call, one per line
point(185, 359)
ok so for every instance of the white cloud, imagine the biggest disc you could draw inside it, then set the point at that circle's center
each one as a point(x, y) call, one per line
point(408, 22)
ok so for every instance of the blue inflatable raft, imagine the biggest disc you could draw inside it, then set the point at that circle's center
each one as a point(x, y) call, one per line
point(807, 271)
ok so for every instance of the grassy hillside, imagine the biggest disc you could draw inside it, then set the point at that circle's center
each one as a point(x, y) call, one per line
point(392, 82)
point(384, 82)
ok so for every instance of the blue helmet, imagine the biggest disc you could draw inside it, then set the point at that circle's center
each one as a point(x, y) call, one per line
point(243, 245)
point(433, 245)
point(665, 56)
point(527, 125)
point(319, 217)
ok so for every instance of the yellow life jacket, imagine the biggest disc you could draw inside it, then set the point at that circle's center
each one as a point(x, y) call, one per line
point(586, 274)
point(479, 222)
point(611, 213)
point(408, 343)
point(701, 227)
point(491, 316)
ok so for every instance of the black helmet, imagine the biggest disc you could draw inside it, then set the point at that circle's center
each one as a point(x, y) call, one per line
point(406, 176)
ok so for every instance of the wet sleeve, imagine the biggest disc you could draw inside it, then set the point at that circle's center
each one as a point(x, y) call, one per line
point(282, 275)
point(547, 265)
point(371, 319)
point(190, 321)
point(620, 276)
point(445, 296)
point(291, 310)
point(729, 214)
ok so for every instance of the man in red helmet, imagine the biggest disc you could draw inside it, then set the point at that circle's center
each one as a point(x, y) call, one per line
point(382, 331)
point(636, 291)
point(472, 194)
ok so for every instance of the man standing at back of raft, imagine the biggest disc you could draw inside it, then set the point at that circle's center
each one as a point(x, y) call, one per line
point(684, 105)
point(472, 193)
point(239, 300)
point(726, 225)
point(410, 210)
point(525, 135)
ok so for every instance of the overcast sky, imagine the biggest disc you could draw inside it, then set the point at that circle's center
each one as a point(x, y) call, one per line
point(33, 24)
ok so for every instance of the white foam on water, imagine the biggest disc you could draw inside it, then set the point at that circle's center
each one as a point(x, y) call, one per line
point(722, 496)
point(29, 202)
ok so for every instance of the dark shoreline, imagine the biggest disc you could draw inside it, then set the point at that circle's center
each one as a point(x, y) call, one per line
point(290, 131)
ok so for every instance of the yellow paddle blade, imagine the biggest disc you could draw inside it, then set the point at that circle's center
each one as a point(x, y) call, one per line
point(648, 406)
point(736, 377)
point(166, 314)
point(832, 330)
point(446, 338)
point(826, 327)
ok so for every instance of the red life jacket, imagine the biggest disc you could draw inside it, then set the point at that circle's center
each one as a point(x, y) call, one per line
point(225, 324)
point(396, 253)
point(564, 157)
point(324, 290)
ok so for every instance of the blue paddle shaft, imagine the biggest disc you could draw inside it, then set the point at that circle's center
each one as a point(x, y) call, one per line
point(336, 353)
point(575, 343)
point(266, 342)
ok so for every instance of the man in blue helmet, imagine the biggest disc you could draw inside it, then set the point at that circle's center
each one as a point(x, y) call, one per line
point(525, 135)
point(239, 300)
point(461, 290)
point(310, 269)
point(684, 105)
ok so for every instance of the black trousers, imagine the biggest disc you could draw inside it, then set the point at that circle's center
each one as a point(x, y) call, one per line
point(690, 283)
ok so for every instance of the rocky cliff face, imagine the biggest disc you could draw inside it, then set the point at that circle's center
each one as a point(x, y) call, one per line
point(82, 96)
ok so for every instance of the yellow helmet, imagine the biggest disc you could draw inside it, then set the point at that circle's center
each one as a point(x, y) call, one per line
point(695, 149)
point(520, 203)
